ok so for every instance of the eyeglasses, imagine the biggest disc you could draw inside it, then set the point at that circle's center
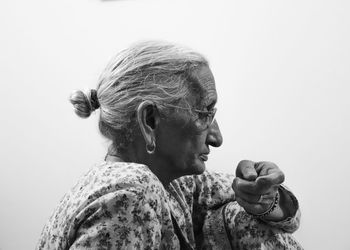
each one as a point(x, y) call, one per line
point(205, 118)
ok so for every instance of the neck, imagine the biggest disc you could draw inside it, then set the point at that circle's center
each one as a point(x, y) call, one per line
point(157, 167)
point(113, 158)
point(120, 155)
point(162, 169)
point(164, 178)
point(162, 174)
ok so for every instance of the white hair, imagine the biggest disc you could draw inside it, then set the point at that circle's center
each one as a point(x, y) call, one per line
point(156, 71)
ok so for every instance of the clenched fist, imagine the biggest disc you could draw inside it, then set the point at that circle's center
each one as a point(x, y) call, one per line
point(256, 185)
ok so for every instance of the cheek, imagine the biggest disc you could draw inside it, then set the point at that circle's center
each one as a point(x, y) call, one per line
point(192, 132)
point(192, 148)
point(182, 140)
point(185, 149)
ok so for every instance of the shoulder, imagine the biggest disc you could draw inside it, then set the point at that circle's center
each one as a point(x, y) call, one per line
point(106, 189)
point(108, 181)
point(108, 177)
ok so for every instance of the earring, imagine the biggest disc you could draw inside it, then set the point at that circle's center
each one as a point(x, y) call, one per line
point(151, 148)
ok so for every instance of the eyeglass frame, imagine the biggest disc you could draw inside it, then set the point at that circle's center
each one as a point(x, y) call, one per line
point(210, 114)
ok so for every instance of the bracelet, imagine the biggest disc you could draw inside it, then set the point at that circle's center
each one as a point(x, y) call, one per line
point(270, 209)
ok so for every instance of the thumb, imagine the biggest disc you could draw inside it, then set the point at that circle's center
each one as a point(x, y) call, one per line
point(246, 170)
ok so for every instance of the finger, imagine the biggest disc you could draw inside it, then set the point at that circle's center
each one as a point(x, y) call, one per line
point(246, 170)
point(252, 198)
point(266, 186)
point(245, 186)
point(253, 208)
point(258, 197)
point(252, 187)
point(273, 178)
point(264, 199)
point(267, 199)
point(265, 167)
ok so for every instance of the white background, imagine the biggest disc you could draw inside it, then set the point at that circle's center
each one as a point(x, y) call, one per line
point(282, 73)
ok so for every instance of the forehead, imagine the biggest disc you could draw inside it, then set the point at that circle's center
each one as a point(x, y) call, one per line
point(203, 86)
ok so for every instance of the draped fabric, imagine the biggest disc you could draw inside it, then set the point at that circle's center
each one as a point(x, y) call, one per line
point(119, 205)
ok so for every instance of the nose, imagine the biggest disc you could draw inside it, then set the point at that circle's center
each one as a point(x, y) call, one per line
point(214, 137)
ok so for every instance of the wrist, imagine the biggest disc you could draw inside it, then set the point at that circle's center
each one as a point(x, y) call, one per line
point(286, 207)
point(272, 211)
point(278, 213)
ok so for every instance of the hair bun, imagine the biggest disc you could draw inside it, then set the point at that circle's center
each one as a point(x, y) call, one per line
point(84, 103)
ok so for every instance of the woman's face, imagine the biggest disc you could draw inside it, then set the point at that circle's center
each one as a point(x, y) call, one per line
point(182, 143)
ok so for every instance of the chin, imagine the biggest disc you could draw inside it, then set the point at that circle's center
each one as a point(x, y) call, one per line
point(197, 168)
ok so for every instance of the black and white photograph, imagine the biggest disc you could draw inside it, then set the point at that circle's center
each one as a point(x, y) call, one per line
point(188, 124)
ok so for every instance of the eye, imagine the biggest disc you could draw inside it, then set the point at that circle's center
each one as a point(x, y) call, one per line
point(206, 115)
point(211, 106)
point(203, 115)
point(211, 109)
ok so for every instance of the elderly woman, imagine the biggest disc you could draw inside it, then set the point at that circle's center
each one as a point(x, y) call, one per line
point(157, 107)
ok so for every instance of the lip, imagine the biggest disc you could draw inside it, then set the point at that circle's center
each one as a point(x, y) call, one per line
point(203, 157)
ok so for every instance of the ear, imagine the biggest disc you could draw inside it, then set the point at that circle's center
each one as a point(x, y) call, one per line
point(147, 117)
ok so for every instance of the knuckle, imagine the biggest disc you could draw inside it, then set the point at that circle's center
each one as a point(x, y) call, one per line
point(244, 163)
point(240, 201)
point(263, 183)
point(282, 176)
point(235, 183)
point(270, 165)
point(245, 168)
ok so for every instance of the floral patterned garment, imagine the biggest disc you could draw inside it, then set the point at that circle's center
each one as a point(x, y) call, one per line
point(120, 205)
